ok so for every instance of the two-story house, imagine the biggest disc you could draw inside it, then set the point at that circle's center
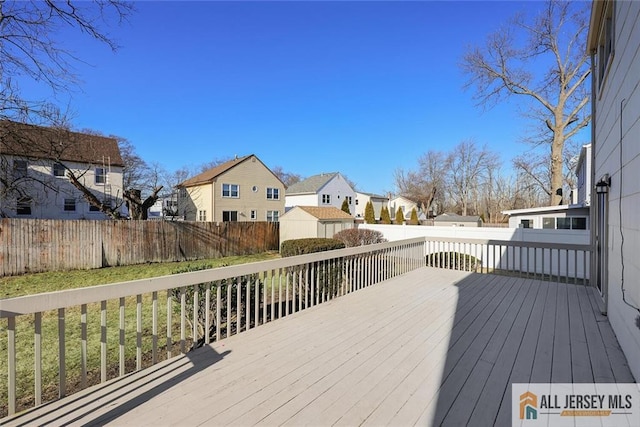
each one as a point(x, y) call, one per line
point(35, 165)
point(376, 200)
point(324, 190)
point(242, 189)
point(614, 45)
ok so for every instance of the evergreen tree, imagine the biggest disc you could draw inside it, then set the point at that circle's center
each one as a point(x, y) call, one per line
point(414, 217)
point(385, 218)
point(369, 215)
point(345, 206)
point(399, 217)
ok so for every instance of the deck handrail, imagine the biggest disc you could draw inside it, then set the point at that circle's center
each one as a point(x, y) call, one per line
point(263, 291)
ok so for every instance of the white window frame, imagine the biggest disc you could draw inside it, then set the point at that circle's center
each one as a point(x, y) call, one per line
point(230, 216)
point(228, 191)
point(68, 201)
point(202, 215)
point(273, 193)
point(100, 178)
point(254, 214)
point(273, 216)
point(326, 199)
point(606, 40)
point(57, 168)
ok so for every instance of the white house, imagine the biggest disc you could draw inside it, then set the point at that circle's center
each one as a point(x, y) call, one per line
point(406, 206)
point(325, 189)
point(166, 207)
point(35, 181)
point(614, 45)
point(376, 200)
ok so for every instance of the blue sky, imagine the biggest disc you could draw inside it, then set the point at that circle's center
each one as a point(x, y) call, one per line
point(362, 88)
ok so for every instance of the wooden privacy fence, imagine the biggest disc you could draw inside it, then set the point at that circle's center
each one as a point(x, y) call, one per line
point(34, 245)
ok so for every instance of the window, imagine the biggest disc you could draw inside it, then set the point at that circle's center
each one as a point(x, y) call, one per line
point(273, 216)
point(254, 215)
point(356, 202)
point(273, 194)
point(19, 169)
point(579, 223)
point(605, 43)
point(229, 216)
point(94, 208)
point(202, 215)
point(326, 199)
point(70, 205)
point(526, 223)
point(101, 176)
point(349, 199)
point(549, 223)
point(563, 223)
point(231, 190)
point(23, 206)
point(58, 170)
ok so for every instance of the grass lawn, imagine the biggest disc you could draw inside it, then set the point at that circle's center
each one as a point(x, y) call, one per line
point(47, 282)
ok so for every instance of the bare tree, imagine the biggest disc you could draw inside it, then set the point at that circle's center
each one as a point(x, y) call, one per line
point(287, 178)
point(467, 169)
point(28, 47)
point(425, 184)
point(557, 99)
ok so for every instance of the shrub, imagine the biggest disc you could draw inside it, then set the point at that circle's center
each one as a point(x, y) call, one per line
point(385, 218)
point(310, 245)
point(414, 217)
point(399, 217)
point(345, 206)
point(327, 277)
point(358, 237)
point(369, 215)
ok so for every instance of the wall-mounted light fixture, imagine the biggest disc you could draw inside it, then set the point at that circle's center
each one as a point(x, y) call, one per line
point(604, 184)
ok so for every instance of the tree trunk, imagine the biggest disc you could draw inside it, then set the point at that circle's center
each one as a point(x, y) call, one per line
point(557, 147)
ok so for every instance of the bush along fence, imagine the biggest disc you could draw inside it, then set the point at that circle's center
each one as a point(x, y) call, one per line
point(35, 245)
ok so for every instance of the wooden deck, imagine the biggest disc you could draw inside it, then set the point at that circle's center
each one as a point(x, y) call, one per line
point(431, 347)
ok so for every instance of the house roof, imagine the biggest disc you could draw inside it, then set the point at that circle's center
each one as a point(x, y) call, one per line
point(373, 195)
point(449, 217)
point(543, 209)
point(311, 185)
point(402, 199)
point(328, 212)
point(24, 140)
point(211, 174)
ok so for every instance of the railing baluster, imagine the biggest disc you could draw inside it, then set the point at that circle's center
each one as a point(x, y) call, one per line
point(138, 332)
point(247, 318)
point(218, 310)
point(279, 293)
point(238, 304)
point(11, 364)
point(229, 289)
point(196, 315)
point(37, 356)
point(287, 301)
point(83, 348)
point(154, 327)
point(169, 323)
point(256, 317)
point(273, 294)
point(207, 313)
point(103, 341)
point(183, 320)
point(62, 366)
point(121, 359)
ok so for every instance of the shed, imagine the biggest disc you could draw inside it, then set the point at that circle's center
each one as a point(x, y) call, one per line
point(453, 220)
point(312, 221)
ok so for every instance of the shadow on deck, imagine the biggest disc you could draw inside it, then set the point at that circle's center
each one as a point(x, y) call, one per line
point(430, 347)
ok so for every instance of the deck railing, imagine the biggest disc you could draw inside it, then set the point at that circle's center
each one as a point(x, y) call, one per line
point(97, 333)
point(102, 332)
point(560, 262)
